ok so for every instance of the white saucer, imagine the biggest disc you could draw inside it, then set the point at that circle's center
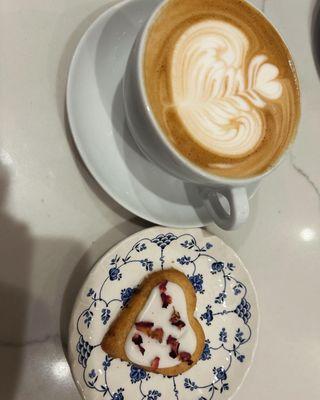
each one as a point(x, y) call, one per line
point(226, 308)
point(97, 121)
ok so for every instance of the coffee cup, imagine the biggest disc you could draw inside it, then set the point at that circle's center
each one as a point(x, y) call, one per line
point(211, 96)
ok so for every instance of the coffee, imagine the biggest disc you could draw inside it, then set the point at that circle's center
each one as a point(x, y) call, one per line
point(221, 85)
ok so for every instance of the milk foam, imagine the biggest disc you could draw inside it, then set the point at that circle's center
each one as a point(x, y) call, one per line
point(217, 93)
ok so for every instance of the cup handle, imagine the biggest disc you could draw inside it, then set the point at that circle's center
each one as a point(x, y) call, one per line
point(238, 205)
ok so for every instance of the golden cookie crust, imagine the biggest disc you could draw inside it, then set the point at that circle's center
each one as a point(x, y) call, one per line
point(114, 340)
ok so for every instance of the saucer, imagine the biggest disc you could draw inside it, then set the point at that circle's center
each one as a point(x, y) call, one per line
point(226, 308)
point(97, 121)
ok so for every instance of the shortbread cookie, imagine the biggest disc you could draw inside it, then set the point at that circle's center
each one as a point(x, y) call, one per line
point(157, 330)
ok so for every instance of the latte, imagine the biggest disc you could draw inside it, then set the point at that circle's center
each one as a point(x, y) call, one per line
point(221, 85)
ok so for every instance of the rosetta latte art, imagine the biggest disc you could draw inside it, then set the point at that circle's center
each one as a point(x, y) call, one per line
point(217, 92)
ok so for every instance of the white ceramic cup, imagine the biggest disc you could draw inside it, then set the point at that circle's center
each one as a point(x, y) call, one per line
point(154, 143)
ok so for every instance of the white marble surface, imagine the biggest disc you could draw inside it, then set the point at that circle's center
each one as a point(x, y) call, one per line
point(55, 221)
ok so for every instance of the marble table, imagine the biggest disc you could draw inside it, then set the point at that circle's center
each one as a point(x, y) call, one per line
point(55, 221)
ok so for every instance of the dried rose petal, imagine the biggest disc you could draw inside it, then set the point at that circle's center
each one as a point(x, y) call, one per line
point(185, 357)
point(157, 334)
point(163, 286)
point(173, 354)
point(175, 319)
point(171, 340)
point(137, 339)
point(166, 300)
point(144, 326)
point(174, 345)
point(175, 316)
point(155, 363)
point(179, 324)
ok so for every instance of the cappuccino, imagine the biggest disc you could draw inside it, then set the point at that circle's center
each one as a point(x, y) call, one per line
point(221, 85)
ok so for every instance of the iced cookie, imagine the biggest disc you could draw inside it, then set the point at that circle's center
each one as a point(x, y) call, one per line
point(158, 330)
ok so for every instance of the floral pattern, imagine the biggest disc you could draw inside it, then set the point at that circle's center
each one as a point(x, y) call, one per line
point(223, 305)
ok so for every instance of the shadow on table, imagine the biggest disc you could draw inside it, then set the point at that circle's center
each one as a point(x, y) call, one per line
point(29, 298)
point(315, 34)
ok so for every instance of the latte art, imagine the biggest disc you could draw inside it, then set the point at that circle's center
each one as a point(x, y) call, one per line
point(215, 96)
point(221, 85)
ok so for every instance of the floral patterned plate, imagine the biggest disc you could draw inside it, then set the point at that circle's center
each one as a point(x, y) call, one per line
point(226, 308)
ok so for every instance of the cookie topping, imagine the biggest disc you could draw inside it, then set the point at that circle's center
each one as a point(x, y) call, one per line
point(155, 363)
point(137, 340)
point(144, 326)
point(166, 300)
point(185, 357)
point(175, 319)
point(174, 345)
point(164, 328)
point(157, 334)
point(163, 286)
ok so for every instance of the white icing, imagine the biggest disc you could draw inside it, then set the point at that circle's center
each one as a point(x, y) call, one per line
point(153, 312)
point(216, 95)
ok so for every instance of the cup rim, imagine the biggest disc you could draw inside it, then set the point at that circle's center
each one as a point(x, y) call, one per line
point(208, 176)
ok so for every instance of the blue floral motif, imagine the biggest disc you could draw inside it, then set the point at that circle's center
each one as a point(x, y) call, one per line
point(105, 315)
point(92, 374)
point(189, 384)
point(137, 374)
point(91, 293)
point(206, 247)
point(148, 265)
point(115, 260)
point(239, 336)
point(126, 295)
point(84, 349)
point(140, 247)
point(223, 335)
point(106, 363)
point(230, 266)
point(184, 260)
point(221, 374)
point(87, 316)
point(217, 267)
point(114, 274)
point(206, 354)
point(197, 282)
point(118, 395)
point(191, 244)
point(225, 386)
point(188, 244)
point(208, 315)
point(164, 240)
point(220, 298)
point(237, 289)
point(241, 358)
point(243, 310)
point(153, 395)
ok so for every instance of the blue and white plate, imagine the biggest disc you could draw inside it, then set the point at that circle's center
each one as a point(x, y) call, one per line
point(226, 308)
